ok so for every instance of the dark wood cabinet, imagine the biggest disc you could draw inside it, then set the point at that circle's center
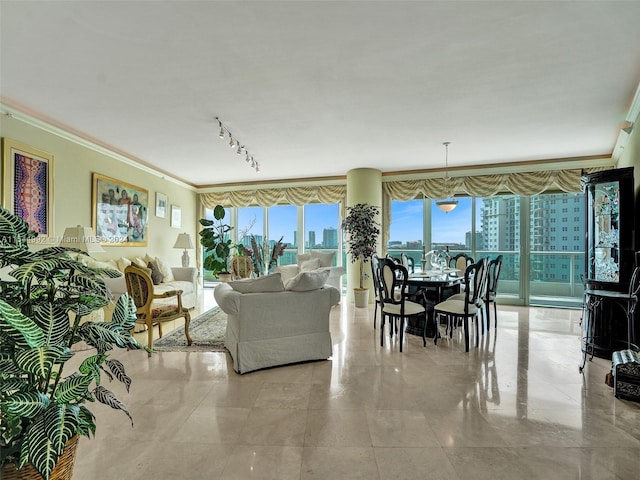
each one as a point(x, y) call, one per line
point(609, 255)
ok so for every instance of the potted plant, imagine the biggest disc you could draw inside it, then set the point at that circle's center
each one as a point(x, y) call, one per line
point(43, 296)
point(362, 235)
point(215, 239)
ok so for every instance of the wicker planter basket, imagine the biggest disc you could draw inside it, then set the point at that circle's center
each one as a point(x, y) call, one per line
point(62, 471)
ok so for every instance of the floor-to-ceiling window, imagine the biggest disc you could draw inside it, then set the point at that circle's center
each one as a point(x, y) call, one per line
point(282, 225)
point(541, 239)
point(321, 228)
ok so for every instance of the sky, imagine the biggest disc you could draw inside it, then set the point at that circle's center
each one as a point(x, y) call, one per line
point(406, 224)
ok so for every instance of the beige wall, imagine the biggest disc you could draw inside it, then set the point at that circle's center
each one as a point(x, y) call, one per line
point(73, 167)
point(630, 156)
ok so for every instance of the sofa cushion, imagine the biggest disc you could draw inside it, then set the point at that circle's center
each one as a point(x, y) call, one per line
point(306, 281)
point(165, 268)
point(156, 274)
point(326, 258)
point(287, 272)
point(312, 264)
point(266, 283)
point(123, 263)
point(139, 261)
point(303, 257)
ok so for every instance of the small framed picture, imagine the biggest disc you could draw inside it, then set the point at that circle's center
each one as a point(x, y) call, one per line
point(161, 205)
point(176, 216)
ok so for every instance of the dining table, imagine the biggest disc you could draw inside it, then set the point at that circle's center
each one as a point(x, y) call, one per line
point(437, 285)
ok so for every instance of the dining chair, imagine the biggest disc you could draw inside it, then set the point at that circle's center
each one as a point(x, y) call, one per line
point(460, 261)
point(395, 300)
point(150, 313)
point(407, 262)
point(377, 286)
point(467, 305)
point(493, 276)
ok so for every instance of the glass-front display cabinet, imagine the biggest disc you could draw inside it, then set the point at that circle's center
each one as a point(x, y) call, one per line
point(610, 258)
point(610, 228)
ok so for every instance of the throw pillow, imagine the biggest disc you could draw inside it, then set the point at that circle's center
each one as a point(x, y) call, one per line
point(123, 263)
point(267, 283)
point(147, 270)
point(287, 272)
point(165, 268)
point(310, 265)
point(326, 258)
point(303, 257)
point(306, 281)
point(156, 274)
point(139, 262)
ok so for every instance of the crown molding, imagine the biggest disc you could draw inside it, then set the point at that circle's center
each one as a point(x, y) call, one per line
point(11, 110)
point(632, 118)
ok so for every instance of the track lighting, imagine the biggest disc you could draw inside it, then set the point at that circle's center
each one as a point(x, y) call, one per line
point(235, 143)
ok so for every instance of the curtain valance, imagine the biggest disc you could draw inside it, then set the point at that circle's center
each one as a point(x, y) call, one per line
point(268, 197)
point(522, 183)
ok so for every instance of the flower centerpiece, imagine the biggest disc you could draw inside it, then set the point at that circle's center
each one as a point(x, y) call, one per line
point(43, 296)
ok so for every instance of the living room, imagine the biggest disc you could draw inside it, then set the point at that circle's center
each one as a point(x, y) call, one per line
point(516, 406)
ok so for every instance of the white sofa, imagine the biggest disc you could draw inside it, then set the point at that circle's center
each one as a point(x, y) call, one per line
point(268, 325)
point(314, 260)
point(185, 279)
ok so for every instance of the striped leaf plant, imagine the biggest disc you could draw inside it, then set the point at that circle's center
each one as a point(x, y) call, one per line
point(43, 296)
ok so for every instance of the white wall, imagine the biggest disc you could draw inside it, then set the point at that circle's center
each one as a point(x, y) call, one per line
point(72, 177)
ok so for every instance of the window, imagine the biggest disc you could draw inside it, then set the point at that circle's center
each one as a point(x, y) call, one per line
point(283, 223)
point(321, 227)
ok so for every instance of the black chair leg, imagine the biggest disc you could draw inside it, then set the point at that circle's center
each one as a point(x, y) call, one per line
point(466, 334)
point(495, 315)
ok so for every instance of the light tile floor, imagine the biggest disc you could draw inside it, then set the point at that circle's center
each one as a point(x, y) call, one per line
point(515, 408)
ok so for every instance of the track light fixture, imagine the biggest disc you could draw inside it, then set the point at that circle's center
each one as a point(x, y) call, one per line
point(235, 143)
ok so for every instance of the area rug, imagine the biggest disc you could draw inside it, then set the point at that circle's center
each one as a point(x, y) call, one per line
point(207, 332)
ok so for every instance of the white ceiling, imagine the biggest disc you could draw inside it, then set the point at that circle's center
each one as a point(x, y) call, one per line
point(317, 88)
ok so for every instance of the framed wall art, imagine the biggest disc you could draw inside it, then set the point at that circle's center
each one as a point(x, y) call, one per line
point(161, 205)
point(176, 216)
point(119, 212)
point(27, 186)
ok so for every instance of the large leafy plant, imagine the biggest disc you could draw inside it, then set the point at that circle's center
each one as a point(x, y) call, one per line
point(362, 234)
point(43, 296)
point(215, 239)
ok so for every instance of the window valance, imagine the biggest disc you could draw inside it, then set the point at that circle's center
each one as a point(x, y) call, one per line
point(269, 197)
point(521, 183)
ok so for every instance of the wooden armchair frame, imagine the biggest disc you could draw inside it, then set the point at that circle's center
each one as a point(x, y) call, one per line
point(140, 288)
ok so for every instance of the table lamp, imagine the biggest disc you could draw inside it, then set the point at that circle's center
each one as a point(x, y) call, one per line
point(81, 238)
point(184, 241)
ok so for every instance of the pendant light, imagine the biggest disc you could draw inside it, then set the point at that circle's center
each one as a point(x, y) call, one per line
point(449, 204)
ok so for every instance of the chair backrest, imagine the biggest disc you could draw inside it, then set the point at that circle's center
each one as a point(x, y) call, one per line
point(407, 262)
point(475, 276)
point(375, 272)
point(241, 267)
point(393, 279)
point(495, 266)
point(139, 286)
point(460, 261)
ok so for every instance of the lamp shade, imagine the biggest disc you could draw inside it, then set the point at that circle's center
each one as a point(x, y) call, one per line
point(81, 238)
point(184, 241)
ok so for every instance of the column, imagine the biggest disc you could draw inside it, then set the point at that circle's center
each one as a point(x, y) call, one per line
point(364, 185)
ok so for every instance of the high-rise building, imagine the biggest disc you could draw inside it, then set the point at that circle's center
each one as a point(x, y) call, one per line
point(330, 238)
point(312, 239)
